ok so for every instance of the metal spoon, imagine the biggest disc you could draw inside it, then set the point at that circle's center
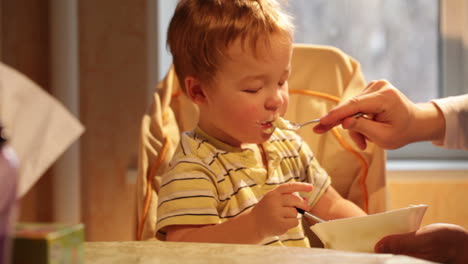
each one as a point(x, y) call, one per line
point(310, 216)
point(289, 125)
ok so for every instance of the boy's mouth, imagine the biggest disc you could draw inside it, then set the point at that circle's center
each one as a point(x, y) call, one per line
point(267, 127)
point(266, 124)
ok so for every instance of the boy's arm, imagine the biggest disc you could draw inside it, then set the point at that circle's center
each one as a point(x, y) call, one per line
point(239, 230)
point(273, 215)
point(331, 205)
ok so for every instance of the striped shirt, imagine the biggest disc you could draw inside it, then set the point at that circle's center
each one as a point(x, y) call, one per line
point(210, 182)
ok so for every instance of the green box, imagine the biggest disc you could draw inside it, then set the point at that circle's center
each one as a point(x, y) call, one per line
point(48, 243)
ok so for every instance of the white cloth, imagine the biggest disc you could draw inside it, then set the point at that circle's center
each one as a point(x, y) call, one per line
point(455, 110)
point(39, 127)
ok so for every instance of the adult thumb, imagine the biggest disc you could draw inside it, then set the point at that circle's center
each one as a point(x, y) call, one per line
point(395, 244)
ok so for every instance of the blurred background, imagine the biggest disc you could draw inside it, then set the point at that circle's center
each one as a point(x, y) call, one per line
point(102, 59)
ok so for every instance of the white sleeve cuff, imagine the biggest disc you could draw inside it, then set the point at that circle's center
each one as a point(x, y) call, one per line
point(455, 111)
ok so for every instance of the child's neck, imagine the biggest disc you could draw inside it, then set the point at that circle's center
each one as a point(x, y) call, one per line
point(259, 154)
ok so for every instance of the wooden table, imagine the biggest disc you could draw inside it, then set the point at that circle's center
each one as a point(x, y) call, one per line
point(134, 252)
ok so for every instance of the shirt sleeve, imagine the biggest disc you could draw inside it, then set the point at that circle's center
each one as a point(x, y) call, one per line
point(455, 111)
point(187, 196)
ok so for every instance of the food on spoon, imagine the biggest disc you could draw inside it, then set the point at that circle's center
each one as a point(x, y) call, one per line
point(279, 122)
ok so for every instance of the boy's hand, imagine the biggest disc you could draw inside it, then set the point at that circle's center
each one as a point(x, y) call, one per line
point(276, 213)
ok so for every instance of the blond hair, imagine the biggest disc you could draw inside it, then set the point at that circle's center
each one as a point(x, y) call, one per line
point(201, 31)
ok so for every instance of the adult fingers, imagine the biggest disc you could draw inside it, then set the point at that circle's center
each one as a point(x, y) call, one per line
point(337, 115)
point(359, 139)
point(370, 129)
point(365, 103)
point(321, 128)
point(397, 244)
point(375, 86)
point(371, 101)
point(412, 244)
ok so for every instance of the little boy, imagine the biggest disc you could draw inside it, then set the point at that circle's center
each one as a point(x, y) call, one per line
point(233, 179)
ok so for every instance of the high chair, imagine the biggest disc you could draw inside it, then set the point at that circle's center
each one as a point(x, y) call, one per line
point(321, 78)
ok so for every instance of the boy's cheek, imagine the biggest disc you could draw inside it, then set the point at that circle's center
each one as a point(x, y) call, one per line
point(284, 107)
point(250, 110)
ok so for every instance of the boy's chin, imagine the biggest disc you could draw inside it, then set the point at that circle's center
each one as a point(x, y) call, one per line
point(263, 138)
point(259, 139)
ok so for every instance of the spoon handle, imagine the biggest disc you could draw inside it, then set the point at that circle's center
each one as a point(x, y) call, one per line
point(310, 122)
point(357, 115)
point(309, 215)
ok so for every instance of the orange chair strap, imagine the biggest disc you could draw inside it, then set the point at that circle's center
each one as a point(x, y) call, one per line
point(365, 168)
point(149, 186)
point(330, 97)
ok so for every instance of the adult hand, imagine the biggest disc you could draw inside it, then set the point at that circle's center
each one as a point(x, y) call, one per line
point(276, 212)
point(391, 120)
point(446, 243)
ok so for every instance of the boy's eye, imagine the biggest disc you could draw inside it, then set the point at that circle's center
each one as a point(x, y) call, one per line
point(252, 90)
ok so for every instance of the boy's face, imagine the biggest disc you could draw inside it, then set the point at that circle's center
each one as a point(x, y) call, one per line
point(248, 92)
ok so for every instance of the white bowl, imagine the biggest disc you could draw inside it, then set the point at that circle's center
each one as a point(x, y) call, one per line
point(362, 233)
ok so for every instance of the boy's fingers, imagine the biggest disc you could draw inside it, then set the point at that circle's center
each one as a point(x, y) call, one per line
point(290, 223)
point(292, 187)
point(290, 213)
point(292, 200)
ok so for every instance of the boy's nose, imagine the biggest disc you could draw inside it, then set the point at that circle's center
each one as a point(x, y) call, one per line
point(275, 101)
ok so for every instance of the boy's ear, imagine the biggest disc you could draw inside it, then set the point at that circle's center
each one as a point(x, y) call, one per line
point(194, 89)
